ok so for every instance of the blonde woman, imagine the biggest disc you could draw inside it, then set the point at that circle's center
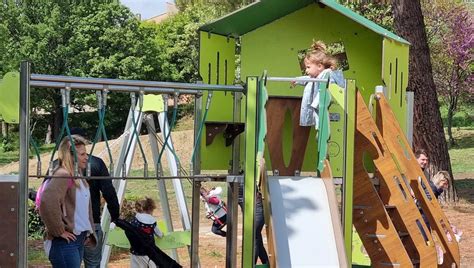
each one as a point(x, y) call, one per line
point(439, 183)
point(66, 208)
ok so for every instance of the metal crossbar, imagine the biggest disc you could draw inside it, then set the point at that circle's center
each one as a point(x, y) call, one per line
point(294, 79)
point(219, 177)
point(53, 81)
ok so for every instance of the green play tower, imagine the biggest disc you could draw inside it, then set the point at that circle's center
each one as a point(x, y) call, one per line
point(269, 35)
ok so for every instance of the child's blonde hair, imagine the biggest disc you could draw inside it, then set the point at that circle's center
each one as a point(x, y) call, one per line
point(318, 54)
point(145, 205)
point(439, 177)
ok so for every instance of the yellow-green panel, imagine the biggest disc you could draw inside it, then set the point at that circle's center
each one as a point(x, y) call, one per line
point(217, 66)
point(336, 141)
point(359, 254)
point(251, 171)
point(285, 37)
point(153, 103)
point(395, 76)
point(348, 185)
point(10, 98)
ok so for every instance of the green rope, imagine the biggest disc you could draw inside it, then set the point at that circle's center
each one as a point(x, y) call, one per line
point(65, 127)
point(173, 121)
point(35, 147)
point(135, 132)
point(198, 138)
point(101, 128)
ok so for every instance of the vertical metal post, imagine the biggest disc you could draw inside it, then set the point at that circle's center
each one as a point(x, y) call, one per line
point(122, 168)
point(24, 144)
point(232, 193)
point(196, 166)
point(165, 206)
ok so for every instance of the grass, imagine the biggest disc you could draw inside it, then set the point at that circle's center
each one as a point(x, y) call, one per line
point(12, 156)
point(463, 152)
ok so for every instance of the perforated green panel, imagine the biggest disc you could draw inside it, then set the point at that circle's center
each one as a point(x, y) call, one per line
point(217, 66)
point(395, 76)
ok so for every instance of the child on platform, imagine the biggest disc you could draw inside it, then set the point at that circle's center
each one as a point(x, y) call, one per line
point(318, 63)
point(216, 209)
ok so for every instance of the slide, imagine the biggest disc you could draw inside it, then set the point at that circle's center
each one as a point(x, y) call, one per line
point(304, 224)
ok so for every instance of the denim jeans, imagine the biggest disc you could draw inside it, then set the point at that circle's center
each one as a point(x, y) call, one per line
point(260, 251)
point(65, 254)
point(93, 256)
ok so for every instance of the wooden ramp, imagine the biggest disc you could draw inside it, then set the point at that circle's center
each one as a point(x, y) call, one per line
point(385, 214)
point(410, 170)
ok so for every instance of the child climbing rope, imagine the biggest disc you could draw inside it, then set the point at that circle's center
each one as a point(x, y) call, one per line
point(216, 209)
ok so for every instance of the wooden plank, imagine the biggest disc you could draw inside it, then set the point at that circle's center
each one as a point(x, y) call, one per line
point(398, 144)
point(268, 219)
point(326, 176)
point(9, 224)
point(276, 111)
point(377, 229)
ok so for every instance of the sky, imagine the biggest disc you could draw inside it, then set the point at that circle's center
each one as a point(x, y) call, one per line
point(147, 8)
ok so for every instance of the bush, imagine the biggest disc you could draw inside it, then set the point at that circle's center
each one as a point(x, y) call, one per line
point(35, 224)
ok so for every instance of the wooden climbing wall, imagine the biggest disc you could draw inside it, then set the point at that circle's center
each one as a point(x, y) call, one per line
point(385, 214)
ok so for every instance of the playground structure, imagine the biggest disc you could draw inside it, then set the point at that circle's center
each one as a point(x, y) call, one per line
point(366, 139)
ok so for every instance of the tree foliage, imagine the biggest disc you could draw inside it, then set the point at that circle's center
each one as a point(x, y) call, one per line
point(451, 37)
point(177, 40)
point(81, 39)
point(225, 5)
point(378, 12)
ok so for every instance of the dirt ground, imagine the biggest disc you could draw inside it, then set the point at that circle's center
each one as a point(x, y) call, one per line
point(212, 247)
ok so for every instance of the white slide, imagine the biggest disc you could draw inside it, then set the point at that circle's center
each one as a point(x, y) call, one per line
point(305, 222)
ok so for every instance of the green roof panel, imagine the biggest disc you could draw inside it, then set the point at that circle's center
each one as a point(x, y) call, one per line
point(253, 16)
point(263, 12)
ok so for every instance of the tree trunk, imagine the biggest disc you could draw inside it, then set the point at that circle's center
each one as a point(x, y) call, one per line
point(57, 116)
point(4, 129)
point(449, 126)
point(427, 126)
point(49, 135)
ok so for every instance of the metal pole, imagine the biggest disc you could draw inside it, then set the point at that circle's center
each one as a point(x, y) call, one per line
point(294, 79)
point(25, 68)
point(134, 83)
point(232, 193)
point(165, 206)
point(196, 187)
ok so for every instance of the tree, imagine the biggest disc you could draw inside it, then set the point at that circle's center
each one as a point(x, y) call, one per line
point(450, 34)
point(81, 39)
point(428, 128)
point(226, 5)
point(177, 40)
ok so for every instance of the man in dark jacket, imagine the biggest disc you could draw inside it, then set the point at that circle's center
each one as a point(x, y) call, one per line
point(93, 256)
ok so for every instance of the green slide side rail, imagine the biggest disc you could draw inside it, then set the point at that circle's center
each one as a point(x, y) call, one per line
point(251, 168)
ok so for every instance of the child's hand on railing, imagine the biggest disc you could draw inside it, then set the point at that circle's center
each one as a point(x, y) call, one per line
point(292, 84)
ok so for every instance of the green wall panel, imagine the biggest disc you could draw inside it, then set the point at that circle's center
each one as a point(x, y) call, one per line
point(217, 66)
point(395, 76)
point(285, 37)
